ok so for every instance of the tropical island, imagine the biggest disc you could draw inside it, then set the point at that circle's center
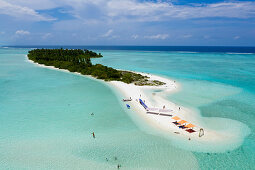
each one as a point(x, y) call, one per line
point(146, 94)
point(79, 60)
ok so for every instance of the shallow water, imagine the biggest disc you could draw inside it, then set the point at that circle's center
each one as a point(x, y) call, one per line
point(45, 116)
point(214, 84)
point(46, 123)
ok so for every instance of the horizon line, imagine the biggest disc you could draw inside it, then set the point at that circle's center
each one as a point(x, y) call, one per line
point(132, 45)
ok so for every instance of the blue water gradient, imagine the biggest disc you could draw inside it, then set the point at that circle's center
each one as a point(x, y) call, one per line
point(216, 84)
point(45, 116)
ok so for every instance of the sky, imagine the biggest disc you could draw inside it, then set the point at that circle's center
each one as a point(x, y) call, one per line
point(127, 22)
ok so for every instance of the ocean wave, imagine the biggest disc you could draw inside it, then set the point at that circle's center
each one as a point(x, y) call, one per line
point(240, 53)
point(193, 52)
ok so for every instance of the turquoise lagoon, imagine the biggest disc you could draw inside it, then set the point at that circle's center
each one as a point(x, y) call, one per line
point(46, 122)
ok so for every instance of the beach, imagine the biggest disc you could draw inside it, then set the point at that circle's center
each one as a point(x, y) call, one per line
point(218, 139)
point(212, 140)
point(46, 112)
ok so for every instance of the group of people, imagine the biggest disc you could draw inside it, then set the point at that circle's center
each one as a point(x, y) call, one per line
point(94, 136)
point(115, 158)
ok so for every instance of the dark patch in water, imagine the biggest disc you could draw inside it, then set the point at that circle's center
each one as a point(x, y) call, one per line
point(157, 91)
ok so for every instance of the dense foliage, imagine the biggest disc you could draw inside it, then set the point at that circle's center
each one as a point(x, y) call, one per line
point(77, 60)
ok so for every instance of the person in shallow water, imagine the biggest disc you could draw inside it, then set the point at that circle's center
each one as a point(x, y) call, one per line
point(93, 135)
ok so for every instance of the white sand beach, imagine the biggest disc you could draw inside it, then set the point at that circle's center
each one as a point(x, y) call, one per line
point(213, 140)
point(156, 100)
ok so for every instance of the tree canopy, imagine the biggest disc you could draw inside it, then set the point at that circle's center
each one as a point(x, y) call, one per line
point(78, 60)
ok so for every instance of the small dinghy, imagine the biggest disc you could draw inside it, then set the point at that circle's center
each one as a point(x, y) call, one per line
point(127, 100)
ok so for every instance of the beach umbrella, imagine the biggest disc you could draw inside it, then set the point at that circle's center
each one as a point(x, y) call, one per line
point(176, 118)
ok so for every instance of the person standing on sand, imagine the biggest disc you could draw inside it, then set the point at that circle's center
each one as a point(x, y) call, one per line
point(179, 108)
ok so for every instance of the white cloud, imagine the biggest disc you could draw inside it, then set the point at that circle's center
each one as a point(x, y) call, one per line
point(108, 33)
point(115, 36)
point(22, 32)
point(157, 11)
point(122, 17)
point(46, 35)
point(187, 36)
point(36, 4)
point(133, 10)
point(236, 37)
point(22, 12)
point(158, 36)
point(135, 36)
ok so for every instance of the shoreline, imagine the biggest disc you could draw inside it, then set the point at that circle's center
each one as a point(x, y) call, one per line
point(154, 96)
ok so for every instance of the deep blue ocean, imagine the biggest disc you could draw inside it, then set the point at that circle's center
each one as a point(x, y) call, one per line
point(46, 122)
point(213, 49)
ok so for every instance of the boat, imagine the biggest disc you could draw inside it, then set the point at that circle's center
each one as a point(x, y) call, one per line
point(127, 100)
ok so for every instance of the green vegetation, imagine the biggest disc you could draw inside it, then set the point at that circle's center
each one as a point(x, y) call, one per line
point(77, 60)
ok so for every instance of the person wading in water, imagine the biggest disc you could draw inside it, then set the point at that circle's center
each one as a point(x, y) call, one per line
point(93, 135)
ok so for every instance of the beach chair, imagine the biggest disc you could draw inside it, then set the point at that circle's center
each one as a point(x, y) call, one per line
point(182, 127)
point(175, 123)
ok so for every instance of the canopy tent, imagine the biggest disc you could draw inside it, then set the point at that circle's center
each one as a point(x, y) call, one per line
point(182, 122)
point(176, 118)
point(189, 126)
